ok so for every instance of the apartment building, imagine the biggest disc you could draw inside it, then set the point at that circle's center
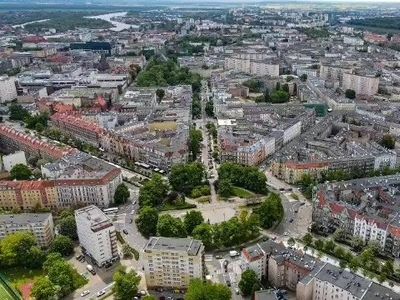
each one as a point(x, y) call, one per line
point(281, 266)
point(251, 66)
point(332, 282)
point(26, 195)
point(9, 161)
point(361, 84)
point(96, 234)
point(8, 89)
point(12, 140)
point(40, 225)
point(173, 262)
point(77, 127)
point(292, 172)
point(367, 208)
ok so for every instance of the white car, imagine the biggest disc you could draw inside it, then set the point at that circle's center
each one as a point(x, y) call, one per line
point(100, 293)
point(85, 293)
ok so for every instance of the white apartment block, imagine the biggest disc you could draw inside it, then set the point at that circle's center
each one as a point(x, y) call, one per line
point(40, 225)
point(9, 161)
point(291, 132)
point(370, 230)
point(362, 85)
point(355, 41)
point(96, 234)
point(8, 90)
point(172, 262)
point(255, 67)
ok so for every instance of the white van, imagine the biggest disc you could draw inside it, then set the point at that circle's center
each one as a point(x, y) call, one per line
point(233, 253)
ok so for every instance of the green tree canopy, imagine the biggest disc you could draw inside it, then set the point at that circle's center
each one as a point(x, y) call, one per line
point(192, 219)
point(62, 274)
point(125, 283)
point(168, 226)
point(225, 188)
point(17, 112)
point(270, 211)
point(388, 141)
point(67, 227)
point(248, 281)
point(254, 85)
point(308, 239)
point(210, 108)
point(199, 290)
point(121, 194)
point(20, 172)
point(185, 177)
point(246, 177)
point(194, 142)
point(62, 244)
point(44, 289)
point(160, 94)
point(279, 96)
point(351, 94)
point(147, 220)
point(153, 192)
point(204, 232)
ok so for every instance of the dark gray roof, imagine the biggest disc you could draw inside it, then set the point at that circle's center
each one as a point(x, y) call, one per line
point(191, 246)
point(379, 292)
point(266, 295)
point(23, 218)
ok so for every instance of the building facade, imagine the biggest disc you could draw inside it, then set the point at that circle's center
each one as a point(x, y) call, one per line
point(173, 262)
point(362, 85)
point(96, 234)
point(40, 225)
point(8, 89)
point(9, 161)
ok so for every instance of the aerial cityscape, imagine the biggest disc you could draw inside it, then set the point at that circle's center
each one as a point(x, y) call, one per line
point(173, 150)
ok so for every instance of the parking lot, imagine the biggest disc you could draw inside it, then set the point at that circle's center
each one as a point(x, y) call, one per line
point(101, 281)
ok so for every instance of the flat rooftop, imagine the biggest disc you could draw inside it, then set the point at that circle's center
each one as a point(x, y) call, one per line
point(97, 219)
point(192, 247)
point(22, 219)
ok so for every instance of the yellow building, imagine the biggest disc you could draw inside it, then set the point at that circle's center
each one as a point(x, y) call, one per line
point(292, 172)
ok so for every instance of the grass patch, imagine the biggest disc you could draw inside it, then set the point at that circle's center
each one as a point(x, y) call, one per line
point(169, 206)
point(242, 193)
point(294, 196)
point(204, 199)
point(5, 294)
point(20, 276)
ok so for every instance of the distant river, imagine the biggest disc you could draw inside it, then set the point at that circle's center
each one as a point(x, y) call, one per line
point(32, 22)
point(118, 26)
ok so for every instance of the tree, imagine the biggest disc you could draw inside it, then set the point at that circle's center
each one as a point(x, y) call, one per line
point(339, 234)
point(279, 96)
point(192, 219)
point(357, 243)
point(254, 85)
point(303, 77)
point(160, 94)
point(199, 290)
point(185, 177)
point(339, 252)
point(266, 95)
point(125, 283)
point(149, 297)
point(308, 239)
point(147, 220)
point(285, 88)
point(374, 246)
point(62, 244)
point(67, 227)
point(291, 242)
point(350, 94)
point(388, 141)
point(19, 249)
point(319, 244)
point(329, 246)
point(247, 282)
point(388, 268)
point(209, 109)
point(168, 226)
point(20, 172)
point(17, 112)
point(126, 250)
point(62, 274)
point(121, 194)
point(204, 233)
point(194, 142)
point(44, 289)
point(270, 211)
point(153, 192)
point(225, 188)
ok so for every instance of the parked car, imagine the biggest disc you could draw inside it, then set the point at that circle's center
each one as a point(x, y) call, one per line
point(93, 272)
point(237, 291)
point(85, 293)
point(125, 231)
point(291, 220)
point(228, 283)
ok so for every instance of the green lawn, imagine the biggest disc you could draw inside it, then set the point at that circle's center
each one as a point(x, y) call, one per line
point(5, 294)
point(19, 276)
point(169, 206)
point(242, 193)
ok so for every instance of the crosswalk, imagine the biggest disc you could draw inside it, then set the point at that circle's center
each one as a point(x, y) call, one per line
point(208, 257)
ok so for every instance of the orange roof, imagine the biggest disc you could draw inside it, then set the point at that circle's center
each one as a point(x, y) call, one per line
point(69, 119)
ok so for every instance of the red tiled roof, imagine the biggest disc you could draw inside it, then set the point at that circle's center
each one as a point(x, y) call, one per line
point(69, 119)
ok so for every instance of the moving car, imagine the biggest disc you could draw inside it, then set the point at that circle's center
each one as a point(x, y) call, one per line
point(100, 293)
point(85, 293)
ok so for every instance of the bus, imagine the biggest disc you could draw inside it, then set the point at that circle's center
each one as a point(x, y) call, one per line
point(110, 211)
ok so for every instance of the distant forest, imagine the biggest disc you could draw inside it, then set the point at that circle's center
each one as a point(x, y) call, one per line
point(387, 22)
